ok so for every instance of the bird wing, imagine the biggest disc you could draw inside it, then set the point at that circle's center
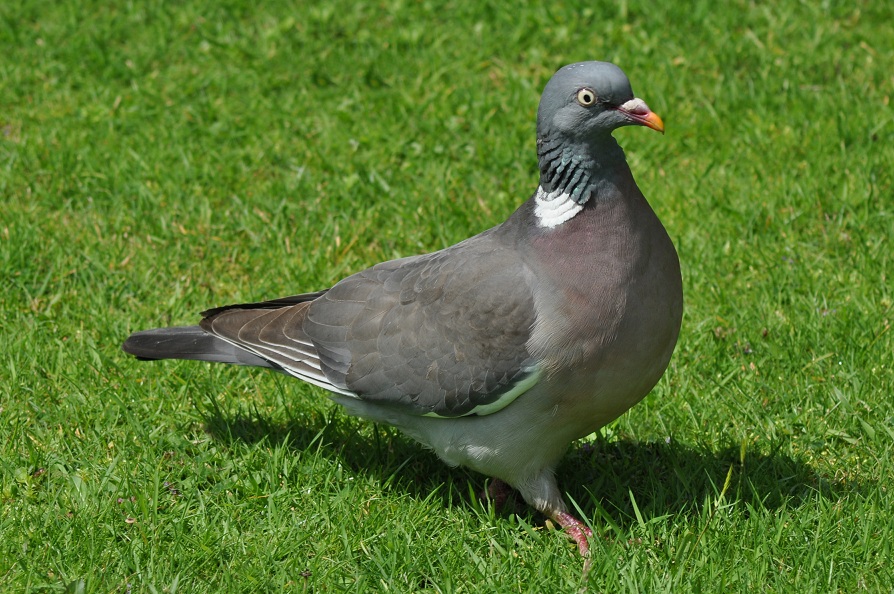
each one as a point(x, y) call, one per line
point(442, 334)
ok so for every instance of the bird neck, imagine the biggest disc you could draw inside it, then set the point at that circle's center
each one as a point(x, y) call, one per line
point(575, 174)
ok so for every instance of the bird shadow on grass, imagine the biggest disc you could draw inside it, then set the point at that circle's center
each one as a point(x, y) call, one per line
point(623, 478)
point(615, 480)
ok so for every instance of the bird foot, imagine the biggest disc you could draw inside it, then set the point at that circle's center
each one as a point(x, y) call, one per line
point(577, 530)
point(500, 494)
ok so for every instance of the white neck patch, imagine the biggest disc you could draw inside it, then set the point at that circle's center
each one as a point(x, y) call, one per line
point(554, 208)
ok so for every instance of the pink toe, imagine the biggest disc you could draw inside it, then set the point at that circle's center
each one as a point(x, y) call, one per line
point(577, 530)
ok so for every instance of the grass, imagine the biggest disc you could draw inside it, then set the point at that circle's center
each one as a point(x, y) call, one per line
point(156, 160)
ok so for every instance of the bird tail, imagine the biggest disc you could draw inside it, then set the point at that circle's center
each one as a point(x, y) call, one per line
point(188, 342)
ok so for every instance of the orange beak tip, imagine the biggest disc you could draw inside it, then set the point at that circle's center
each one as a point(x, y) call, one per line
point(654, 121)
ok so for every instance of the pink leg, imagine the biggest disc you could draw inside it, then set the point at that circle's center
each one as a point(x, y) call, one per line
point(499, 493)
point(576, 530)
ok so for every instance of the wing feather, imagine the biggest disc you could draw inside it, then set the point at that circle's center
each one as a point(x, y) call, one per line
point(443, 334)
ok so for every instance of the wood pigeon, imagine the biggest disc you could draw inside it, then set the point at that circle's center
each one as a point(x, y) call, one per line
point(501, 350)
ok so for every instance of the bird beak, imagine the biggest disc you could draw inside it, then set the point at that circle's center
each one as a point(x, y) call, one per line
point(638, 112)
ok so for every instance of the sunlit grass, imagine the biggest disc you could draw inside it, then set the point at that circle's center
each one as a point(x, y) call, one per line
point(158, 159)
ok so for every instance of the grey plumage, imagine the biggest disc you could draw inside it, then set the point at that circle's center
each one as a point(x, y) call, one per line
point(499, 351)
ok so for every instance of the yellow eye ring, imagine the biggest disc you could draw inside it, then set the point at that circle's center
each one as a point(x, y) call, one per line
point(586, 97)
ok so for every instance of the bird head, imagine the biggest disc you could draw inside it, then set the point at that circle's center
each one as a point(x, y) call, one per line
point(588, 100)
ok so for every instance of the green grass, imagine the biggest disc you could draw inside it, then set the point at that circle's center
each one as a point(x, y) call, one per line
point(160, 158)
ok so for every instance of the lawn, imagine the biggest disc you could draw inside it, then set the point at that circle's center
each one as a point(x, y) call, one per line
point(160, 158)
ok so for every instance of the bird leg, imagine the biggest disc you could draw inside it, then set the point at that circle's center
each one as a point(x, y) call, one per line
point(576, 529)
point(499, 493)
point(542, 493)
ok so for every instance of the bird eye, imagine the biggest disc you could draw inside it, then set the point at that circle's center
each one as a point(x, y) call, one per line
point(586, 97)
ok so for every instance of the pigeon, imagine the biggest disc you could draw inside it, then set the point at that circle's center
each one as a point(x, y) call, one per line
point(501, 350)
